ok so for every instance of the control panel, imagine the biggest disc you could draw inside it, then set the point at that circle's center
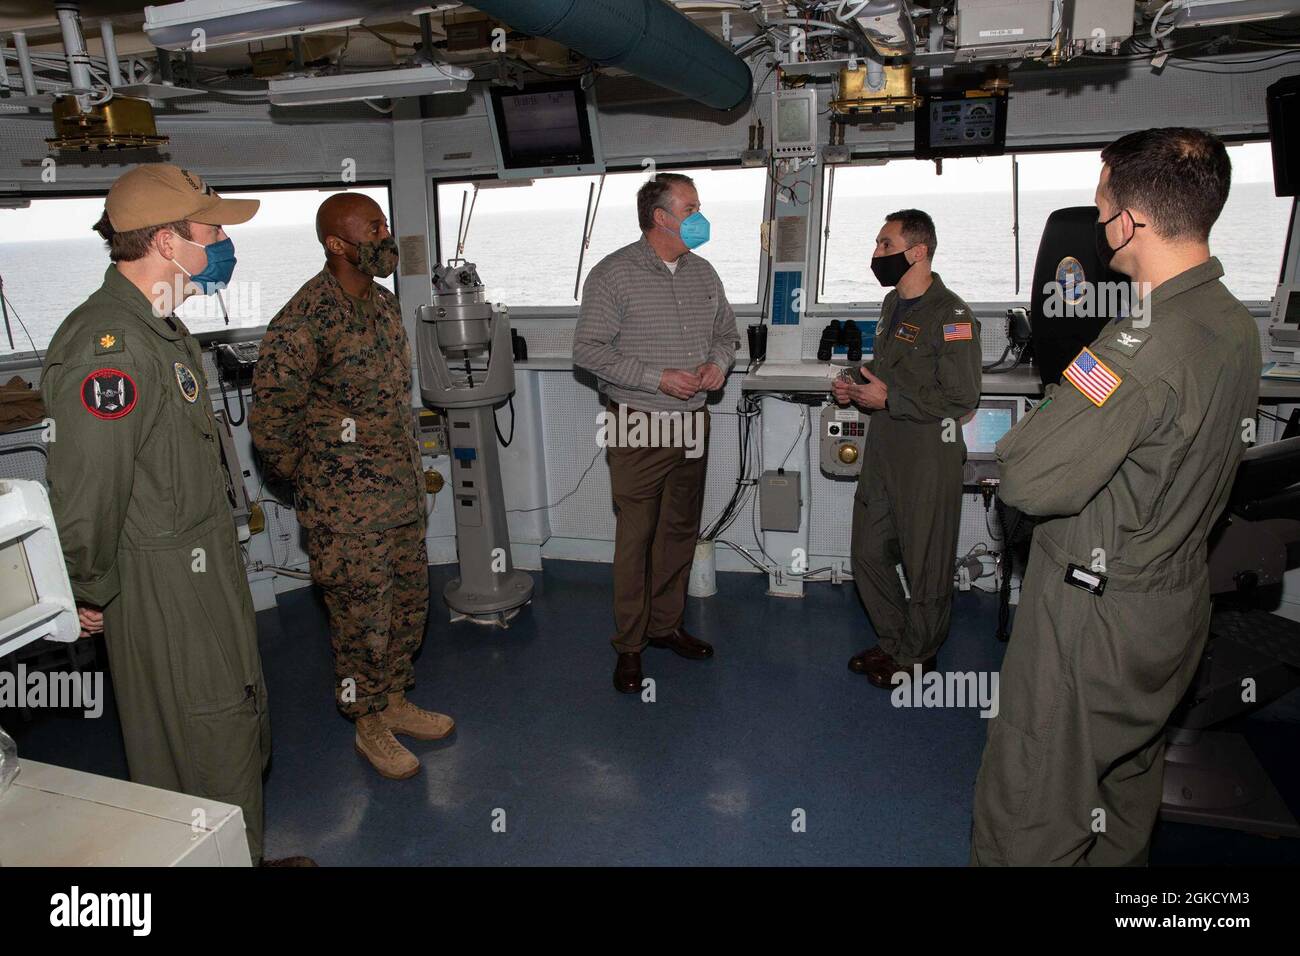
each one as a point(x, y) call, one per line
point(843, 438)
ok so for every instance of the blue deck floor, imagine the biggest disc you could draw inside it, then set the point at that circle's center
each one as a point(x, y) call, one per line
point(710, 773)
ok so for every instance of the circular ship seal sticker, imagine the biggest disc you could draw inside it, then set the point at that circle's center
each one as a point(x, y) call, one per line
point(1070, 277)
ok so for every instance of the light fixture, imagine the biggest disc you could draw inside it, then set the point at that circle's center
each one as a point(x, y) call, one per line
point(1210, 13)
point(183, 25)
point(386, 84)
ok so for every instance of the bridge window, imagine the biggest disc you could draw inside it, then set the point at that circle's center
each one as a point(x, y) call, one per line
point(51, 260)
point(974, 213)
point(526, 238)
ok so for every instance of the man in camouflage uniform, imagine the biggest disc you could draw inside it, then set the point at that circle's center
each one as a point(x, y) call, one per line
point(332, 413)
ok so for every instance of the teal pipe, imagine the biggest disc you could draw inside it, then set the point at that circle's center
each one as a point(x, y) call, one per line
point(650, 39)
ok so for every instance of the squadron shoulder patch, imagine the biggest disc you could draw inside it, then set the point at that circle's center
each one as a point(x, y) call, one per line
point(1090, 375)
point(108, 393)
point(956, 331)
point(907, 331)
point(112, 340)
point(189, 385)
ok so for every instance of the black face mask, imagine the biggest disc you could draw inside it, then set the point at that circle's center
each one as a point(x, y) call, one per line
point(888, 270)
point(1104, 252)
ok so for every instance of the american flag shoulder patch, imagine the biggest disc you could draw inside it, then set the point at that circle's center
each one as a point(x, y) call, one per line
point(956, 331)
point(1090, 375)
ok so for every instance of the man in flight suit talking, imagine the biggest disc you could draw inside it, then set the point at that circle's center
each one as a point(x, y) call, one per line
point(923, 379)
point(1129, 459)
point(139, 495)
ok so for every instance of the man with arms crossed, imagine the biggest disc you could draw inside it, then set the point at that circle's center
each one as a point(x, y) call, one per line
point(1129, 460)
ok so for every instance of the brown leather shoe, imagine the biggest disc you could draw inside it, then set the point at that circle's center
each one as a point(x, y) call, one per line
point(861, 663)
point(684, 645)
point(627, 673)
point(882, 674)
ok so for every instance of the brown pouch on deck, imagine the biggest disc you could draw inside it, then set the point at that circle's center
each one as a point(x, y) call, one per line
point(20, 405)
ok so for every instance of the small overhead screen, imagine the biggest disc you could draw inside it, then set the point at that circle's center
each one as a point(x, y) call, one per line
point(958, 124)
point(794, 122)
point(993, 419)
point(546, 129)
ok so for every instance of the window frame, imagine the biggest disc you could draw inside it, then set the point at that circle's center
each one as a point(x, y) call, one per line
point(14, 361)
point(746, 309)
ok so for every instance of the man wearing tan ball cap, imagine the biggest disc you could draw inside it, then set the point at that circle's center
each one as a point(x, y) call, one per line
point(157, 193)
point(138, 490)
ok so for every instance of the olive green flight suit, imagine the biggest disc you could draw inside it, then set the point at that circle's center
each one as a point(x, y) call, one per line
point(1132, 477)
point(907, 507)
point(139, 497)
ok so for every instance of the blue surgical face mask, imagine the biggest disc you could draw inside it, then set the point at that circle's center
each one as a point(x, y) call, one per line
point(220, 267)
point(694, 230)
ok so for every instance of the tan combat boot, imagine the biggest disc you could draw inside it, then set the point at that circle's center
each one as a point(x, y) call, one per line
point(403, 717)
point(377, 744)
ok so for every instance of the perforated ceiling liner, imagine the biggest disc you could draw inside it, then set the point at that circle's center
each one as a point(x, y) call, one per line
point(26, 464)
point(229, 151)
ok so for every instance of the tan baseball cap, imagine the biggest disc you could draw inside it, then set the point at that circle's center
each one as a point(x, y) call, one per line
point(155, 193)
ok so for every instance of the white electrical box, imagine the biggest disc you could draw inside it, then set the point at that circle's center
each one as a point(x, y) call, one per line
point(780, 501)
point(1100, 26)
point(1002, 29)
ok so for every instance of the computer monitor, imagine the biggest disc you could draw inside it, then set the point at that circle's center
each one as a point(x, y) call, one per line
point(960, 124)
point(545, 129)
point(993, 419)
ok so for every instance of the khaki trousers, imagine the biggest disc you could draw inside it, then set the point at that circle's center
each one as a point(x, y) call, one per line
point(658, 494)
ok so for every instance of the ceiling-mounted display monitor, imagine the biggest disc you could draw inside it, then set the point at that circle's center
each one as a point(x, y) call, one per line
point(545, 129)
point(961, 124)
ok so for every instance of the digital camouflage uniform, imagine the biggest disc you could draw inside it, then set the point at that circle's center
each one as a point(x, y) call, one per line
point(139, 495)
point(332, 413)
point(907, 508)
point(1131, 458)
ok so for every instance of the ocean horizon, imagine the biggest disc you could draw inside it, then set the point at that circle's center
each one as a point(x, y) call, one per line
point(534, 264)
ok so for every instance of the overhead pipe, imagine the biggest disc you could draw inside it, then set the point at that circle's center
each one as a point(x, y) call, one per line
point(74, 45)
point(887, 24)
point(25, 63)
point(107, 38)
point(648, 38)
point(263, 21)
